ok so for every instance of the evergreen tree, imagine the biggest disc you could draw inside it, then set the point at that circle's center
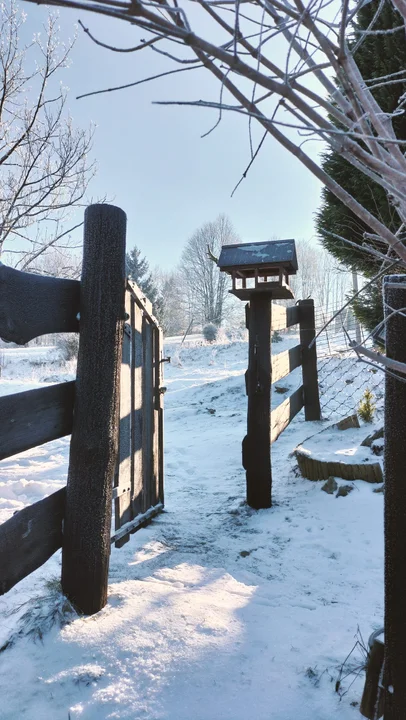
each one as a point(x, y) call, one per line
point(137, 269)
point(378, 55)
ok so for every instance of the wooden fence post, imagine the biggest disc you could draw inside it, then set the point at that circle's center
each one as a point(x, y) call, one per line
point(257, 443)
point(309, 360)
point(395, 504)
point(94, 444)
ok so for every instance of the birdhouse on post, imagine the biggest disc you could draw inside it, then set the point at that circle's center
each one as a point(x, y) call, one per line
point(260, 273)
point(260, 267)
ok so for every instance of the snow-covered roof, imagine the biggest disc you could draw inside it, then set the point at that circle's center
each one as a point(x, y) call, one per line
point(271, 252)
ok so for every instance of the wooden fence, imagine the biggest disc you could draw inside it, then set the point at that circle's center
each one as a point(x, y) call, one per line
point(263, 425)
point(114, 412)
point(282, 364)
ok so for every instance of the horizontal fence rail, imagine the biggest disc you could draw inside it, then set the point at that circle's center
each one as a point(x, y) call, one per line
point(34, 417)
point(284, 317)
point(33, 305)
point(285, 362)
point(285, 412)
point(29, 538)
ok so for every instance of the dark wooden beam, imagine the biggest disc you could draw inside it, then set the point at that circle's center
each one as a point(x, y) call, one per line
point(284, 317)
point(256, 444)
point(29, 538)
point(33, 305)
point(285, 362)
point(94, 444)
point(278, 292)
point(285, 412)
point(147, 414)
point(394, 287)
point(34, 417)
point(123, 477)
point(309, 360)
point(123, 534)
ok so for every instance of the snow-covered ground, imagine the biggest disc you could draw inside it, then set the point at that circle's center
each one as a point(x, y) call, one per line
point(215, 611)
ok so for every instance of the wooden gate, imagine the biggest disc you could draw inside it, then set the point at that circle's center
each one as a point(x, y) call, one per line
point(117, 392)
point(138, 491)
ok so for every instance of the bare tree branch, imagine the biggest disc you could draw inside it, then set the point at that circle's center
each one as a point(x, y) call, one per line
point(317, 41)
point(44, 163)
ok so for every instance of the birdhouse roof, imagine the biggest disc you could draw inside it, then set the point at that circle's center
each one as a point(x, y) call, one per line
point(278, 253)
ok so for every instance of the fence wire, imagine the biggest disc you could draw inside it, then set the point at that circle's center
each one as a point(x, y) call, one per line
point(343, 378)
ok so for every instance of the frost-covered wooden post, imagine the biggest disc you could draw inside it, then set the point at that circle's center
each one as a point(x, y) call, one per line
point(256, 444)
point(94, 444)
point(395, 503)
point(309, 360)
point(259, 274)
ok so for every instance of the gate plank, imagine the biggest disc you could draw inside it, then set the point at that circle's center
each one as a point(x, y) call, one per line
point(140, 521)
point(148, 413)
point(160, 421)
point(285, 412)
point(29, 538)
point(157, 404)
point(34, 417)
point(136, 408)
point(285, 362)
point(33, 305)
point(122, 502)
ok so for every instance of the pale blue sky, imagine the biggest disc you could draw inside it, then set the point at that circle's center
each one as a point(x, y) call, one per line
point(152, 161)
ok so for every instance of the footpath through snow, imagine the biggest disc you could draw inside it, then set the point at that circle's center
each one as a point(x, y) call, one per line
point(215, 612)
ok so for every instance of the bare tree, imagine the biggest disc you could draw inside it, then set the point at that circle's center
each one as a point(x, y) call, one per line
point(175, 318)
point(44, 166)
point(59, 262)
point(320, 277)
point(207, 287)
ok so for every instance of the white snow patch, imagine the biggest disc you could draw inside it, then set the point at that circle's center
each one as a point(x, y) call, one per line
point(215, 611)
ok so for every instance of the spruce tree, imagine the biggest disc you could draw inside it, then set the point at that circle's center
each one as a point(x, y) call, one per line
point(379, 55)
point(137, 268)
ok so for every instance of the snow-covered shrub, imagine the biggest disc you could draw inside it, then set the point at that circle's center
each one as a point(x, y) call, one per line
point(210, 332)
point(276, 337)
point(68, 345)
point(366, 407)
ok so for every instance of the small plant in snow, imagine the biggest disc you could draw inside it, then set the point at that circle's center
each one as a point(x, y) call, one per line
point(276, 337)
point(43, 613)
point(210, 332)
point(366, 407)
point(2, 362)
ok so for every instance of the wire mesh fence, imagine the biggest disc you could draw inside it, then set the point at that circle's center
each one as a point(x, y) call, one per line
point(343, 378)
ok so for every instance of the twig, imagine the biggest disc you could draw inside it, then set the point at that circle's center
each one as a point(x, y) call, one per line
point(141, 46)
point(374, 279)
point(138, 82)
point(244, 175)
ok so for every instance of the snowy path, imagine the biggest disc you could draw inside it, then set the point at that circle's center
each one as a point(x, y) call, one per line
point(215, 612)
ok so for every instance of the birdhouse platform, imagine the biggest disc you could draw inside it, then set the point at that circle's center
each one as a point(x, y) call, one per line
point(262, 267)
